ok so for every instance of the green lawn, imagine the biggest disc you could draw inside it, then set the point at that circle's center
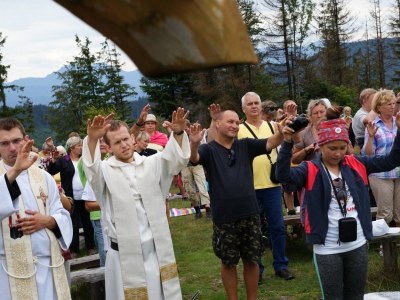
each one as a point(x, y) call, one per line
point(199, 268)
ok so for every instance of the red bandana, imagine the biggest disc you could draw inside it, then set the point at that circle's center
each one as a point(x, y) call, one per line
point(332, 130)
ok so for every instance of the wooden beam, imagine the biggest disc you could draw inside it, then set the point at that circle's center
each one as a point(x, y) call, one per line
point(89, 275)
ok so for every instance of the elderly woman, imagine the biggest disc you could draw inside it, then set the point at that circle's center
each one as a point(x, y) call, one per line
point(379, 141)
point(304, 149)
point(72, 185)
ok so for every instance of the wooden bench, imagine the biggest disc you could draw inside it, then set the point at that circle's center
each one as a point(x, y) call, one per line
point(389, 249)
point(389, 241)
point(87, 269)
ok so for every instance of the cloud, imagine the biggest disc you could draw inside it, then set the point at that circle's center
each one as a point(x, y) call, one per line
point(41, 37)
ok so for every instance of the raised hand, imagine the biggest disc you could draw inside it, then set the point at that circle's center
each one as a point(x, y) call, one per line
point(195, 133)
point(372, 129)
point(214, 111)
point(178, 123)
point(49, 142)
point(291, 110)
point(99, 126)
point(23, 162)
point(143, 114)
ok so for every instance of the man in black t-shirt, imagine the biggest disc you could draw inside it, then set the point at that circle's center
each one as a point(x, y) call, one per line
point(228, 163)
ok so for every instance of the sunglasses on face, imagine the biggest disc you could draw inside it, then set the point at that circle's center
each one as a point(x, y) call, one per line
point(232, 158)
point(341, 194)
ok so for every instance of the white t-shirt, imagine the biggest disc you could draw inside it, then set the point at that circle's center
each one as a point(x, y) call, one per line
point(88, 195)
point(77, 186)
point(358, 125)
point(334, 214)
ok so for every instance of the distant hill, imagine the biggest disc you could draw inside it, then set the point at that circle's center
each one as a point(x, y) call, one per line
point(39, 89)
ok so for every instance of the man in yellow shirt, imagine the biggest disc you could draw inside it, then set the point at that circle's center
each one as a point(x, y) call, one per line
point(268, 193)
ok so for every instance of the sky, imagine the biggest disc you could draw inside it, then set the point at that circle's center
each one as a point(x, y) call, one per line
point(41, 35)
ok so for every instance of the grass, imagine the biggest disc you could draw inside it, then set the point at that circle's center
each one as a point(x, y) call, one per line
point(199, 268)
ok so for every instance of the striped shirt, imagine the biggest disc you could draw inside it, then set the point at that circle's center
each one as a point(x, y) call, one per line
point(382, 144)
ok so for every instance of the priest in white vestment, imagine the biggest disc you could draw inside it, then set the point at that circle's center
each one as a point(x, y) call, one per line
point(34, 223)
point(131, 190)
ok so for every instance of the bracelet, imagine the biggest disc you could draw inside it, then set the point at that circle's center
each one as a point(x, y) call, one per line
point(139, 125)
point(179, 133)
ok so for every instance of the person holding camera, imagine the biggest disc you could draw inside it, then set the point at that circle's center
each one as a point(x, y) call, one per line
point(336, 207)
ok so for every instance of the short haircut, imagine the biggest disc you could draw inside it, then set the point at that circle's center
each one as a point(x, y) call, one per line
point(45, 146)
point(9, 123)
point(265, 108)
point(250, 94)
point(381, 98)
point(221, 114)
point(286, 103)
point(115, 125)
point(346, 108)
point(143, 136)
point(314, 103)
point(187, 122)
point(74, 134)
point(364, 95)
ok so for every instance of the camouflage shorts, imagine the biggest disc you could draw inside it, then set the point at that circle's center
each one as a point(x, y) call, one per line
point(238, 239)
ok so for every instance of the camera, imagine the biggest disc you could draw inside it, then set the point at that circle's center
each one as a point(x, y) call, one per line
point(299, 123)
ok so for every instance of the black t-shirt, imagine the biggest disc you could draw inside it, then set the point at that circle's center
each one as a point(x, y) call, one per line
point(231, 187)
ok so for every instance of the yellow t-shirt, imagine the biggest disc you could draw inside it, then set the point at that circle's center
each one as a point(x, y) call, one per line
point(261, 164)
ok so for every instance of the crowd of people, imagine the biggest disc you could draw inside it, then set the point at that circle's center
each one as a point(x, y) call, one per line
point(115, 182)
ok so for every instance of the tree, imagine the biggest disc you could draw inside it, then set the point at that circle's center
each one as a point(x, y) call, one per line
point(27, 115)
point(377, 26)
point(394, 25)
point(168, 93)
point(335, 28)
point(5, 110)
point(90, 83)
point(116, 92)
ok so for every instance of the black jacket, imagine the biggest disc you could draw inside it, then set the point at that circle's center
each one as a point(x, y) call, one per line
point(66, 168)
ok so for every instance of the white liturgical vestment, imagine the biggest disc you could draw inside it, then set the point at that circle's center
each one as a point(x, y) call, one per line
point(132, 198)
point(39, 240)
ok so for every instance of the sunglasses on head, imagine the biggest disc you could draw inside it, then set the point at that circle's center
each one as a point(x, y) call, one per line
point(341, 194)
point(232, 157)
point(272, 107)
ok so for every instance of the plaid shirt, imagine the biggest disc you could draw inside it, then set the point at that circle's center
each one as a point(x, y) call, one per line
point(383, 142)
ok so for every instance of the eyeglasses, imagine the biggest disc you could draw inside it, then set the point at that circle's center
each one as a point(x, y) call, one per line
point(272, 107)
point(341, 194)
point(15, 142)
point(232, 158)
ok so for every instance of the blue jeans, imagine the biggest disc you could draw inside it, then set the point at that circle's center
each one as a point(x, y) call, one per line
point(99, 241)
point(270, 202)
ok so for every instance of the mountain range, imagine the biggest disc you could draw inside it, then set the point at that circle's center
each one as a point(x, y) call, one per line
point(39, 89)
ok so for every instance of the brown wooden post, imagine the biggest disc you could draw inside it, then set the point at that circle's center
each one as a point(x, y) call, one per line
point(390, 255)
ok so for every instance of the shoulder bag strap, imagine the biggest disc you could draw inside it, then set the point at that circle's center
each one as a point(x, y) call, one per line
point(251, 131)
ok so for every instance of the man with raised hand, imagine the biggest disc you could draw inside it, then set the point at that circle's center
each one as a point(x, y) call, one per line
point(228, 163)
point(131, 190)
point(268, 193)
point(34, 224)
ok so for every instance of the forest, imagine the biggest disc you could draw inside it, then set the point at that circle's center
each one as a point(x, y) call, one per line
point(306, 49)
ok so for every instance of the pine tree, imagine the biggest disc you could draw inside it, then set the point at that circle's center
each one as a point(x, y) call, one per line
point(335, 28)
point(5, 110)
point(116, 92)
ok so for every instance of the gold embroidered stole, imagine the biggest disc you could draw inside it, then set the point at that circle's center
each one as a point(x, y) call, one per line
point(18, 252)
point(129, 243)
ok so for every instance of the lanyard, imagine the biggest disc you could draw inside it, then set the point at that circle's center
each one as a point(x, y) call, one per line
point(342, 207)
